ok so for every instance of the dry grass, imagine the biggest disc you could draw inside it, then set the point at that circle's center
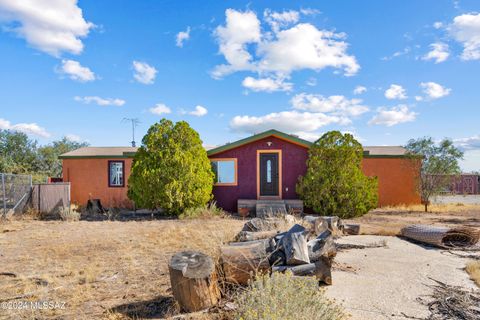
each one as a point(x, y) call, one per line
point(473, 269)
point(388, 221)
point(108, 269)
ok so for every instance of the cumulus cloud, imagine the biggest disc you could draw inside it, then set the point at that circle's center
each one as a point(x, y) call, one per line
point(266, 84)
point(437, 25)
point(337, 104)
point(100, 101)
point(434, 90)
point(182, 36)
point(466, 30)
point(359, 90)
point(395, 92)
point(439, 52)
point(469, 143)
point(199, 111)
point(73, 137)
point(393, 116)
point(27, 128)
point(159, 109)
point(144, 73)
point(288, 47)
point(287, 121)
point(51, 26)
point(75, 71)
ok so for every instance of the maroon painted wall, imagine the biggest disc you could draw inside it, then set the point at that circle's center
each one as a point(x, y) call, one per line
point(294, 159)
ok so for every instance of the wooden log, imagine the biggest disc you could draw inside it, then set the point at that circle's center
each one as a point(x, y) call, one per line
point(194, 280)
point(321, 269)
point(258, 224)
point(241, 263)
point(351, 229)
point(252, 236)
point(323, 247)
point(294, 245)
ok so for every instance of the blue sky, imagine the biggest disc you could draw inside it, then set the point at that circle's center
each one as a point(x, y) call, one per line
point(386, 71)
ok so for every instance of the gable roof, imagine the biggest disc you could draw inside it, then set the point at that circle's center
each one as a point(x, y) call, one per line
point(259, 136)
point(100, 152)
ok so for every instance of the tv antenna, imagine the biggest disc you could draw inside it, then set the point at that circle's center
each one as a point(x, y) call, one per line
point(135, 123)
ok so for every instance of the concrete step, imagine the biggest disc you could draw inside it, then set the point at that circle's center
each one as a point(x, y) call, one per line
point(270, 208)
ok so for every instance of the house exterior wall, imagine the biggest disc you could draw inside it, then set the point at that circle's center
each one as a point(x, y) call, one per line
point(294, 159)
point(88, 178)
point(396, 178)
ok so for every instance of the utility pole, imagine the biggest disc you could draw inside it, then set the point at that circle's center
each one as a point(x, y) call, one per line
point(135, 123)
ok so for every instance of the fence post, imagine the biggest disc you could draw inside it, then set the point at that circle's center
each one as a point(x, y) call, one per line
point(4, 196)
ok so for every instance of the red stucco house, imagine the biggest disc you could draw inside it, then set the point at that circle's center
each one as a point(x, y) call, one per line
point(263, 166)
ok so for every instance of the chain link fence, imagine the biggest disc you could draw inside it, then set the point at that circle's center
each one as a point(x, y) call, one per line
point(14, 192)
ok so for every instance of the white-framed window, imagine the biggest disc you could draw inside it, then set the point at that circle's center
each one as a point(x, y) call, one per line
point(116, 172)
point(225, 171)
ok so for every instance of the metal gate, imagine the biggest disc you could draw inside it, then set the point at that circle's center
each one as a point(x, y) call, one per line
point(14, 192)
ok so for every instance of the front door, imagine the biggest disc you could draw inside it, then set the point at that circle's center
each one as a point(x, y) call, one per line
point(269, 175)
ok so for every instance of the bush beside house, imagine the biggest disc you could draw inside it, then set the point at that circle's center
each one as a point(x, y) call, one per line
point(334, 183)
point(171, 170)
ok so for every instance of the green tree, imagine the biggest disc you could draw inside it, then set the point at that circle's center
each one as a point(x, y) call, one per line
point(334, 183)
point(18, 153)
point(440, 163)
point(48, 155)
point(171, 170)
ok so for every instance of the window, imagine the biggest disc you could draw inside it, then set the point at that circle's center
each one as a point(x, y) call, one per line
point(116, 173)
point(225, 171)
point(269, 171)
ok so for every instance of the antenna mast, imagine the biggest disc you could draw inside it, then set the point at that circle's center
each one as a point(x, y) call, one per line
point(135, 123)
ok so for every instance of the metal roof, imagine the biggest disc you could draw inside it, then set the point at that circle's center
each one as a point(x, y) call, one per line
point(385, 150)
point(100, 152)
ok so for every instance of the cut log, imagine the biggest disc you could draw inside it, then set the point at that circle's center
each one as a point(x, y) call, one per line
point(318, 224)
point(334, 223)
point(240, 263)
point(321, 269)
point(351, 229)
point(324, 247)
point(194, 280)
point(257, 224)
point(294, 245)
point(252, 236)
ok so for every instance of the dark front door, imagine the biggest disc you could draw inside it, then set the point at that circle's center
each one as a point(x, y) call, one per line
point(269, 174)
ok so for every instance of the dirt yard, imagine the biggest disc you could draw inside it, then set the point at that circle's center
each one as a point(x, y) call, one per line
point(118, 270)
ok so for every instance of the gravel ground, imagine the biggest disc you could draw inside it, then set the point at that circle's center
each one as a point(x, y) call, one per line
point(386, 282)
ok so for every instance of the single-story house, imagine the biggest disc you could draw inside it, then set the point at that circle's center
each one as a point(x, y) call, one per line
point(262, 166)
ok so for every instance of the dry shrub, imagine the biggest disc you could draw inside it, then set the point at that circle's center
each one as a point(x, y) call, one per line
point(473, 269)
point(68, 214)
point(284, 296)
point(208, 211)
point(432, 208)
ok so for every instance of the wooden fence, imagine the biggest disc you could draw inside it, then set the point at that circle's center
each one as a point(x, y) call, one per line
point(48, 197)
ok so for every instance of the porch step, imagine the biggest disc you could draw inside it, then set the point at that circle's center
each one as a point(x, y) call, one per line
point(270, 208)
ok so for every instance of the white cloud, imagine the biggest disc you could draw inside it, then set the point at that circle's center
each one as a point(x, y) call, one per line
point(100, 101)
point(311, 82)
point(159, 109)
point(395, 92)
point(75, 71)
point(286, 49)
point(359, 90)
point(466, 30)
point(286, 121)
point(439, 52)
point(393, 116)
point(278, 20)
point(52, 26)
point(397, 54)
point(199, 111)
point(336, 105)
point(438, 25)
point(434, 90)
point(266, 84)
point(469, 143)
point(182, 36)
point(27, 128)
point(73, 137)
point(144, 73)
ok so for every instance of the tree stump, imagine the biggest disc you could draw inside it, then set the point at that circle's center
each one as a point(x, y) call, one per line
point(194, 280)
point(241, 263)
point(252, 236)
point(324, 247)
point(294, 245)
point(351, 229)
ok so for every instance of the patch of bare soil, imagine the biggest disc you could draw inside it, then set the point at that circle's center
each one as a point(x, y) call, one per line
point(102, 269)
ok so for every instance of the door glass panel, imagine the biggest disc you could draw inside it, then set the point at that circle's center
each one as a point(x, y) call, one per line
point(269, 171)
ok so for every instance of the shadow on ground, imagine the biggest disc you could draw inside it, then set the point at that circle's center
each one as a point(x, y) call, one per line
point(159, 307)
